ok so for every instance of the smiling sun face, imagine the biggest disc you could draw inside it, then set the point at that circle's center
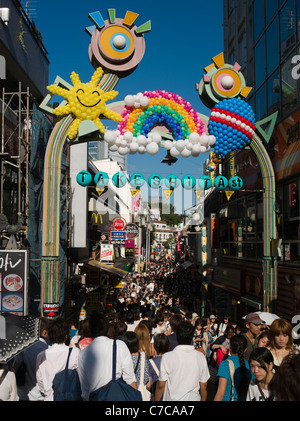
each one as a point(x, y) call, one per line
point(86, 101)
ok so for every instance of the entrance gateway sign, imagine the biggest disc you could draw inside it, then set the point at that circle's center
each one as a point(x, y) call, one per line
point(230, 127)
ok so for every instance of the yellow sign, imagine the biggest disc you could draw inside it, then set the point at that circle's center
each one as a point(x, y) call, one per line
point(168, 193)
point(134, 192)
point(100, 191)
point(229, 193)
point(198, 193)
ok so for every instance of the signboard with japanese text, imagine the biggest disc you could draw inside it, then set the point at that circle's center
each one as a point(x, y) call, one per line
point(13, 281)
point(107, 252)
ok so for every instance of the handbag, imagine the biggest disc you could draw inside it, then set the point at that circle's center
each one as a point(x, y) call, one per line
point(66, 384)
point(116, 390)
point(146, 394)
point(231, 368)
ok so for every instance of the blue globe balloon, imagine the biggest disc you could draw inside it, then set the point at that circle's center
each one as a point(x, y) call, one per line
point(236, 183)
point(137, 180)
point(188, 182)
point(119, 179)
point(84, 178)
point(101, 179)
point(220, 182)
point(205, 182)
point(172, 181)
point(155, 181)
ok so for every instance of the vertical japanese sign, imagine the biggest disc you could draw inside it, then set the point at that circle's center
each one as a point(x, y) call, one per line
point(13, 281)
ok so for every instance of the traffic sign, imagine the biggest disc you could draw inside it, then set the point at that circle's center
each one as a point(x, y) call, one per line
point(132, 230)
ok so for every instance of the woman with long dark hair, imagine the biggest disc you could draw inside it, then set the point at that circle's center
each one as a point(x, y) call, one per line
point(261, 364)
point(234, 373)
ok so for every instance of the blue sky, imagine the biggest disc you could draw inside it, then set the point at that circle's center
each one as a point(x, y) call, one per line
point(183, 39)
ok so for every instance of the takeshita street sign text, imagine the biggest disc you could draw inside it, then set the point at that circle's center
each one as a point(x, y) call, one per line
point(172, 181)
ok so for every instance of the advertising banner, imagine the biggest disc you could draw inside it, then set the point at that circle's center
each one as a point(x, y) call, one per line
point(107, 253)
point(13, 281)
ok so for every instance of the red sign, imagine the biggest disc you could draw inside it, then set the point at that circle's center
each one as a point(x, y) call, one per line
point(119, 224)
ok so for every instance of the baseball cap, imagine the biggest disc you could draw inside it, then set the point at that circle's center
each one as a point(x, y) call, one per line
point(253, 318)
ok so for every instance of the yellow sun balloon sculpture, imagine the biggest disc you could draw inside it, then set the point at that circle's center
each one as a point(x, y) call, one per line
point(86, 101)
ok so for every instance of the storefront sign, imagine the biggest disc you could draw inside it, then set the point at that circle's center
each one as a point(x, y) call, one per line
point(50, 309)
point(106, 253)
point(13, 281)
point(132, 230)
point(118, 235)
point(119, 224)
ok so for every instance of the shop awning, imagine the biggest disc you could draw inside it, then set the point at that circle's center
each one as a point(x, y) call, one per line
point(106, 268)
point(252, 301)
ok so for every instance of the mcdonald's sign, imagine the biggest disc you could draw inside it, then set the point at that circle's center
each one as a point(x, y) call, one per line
point(95, 217)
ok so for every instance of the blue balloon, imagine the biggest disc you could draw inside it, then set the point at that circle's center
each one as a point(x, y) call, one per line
point(205, 182)
point(101, 179)
point(236, 183)
point(188, 182)
point(137, 180)
point(172, 181)
point(220, 182)
point(84, 178)
point(119, 179)
point(155, 181)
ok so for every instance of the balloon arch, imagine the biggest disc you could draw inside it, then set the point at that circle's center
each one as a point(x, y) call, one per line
point(115, 50)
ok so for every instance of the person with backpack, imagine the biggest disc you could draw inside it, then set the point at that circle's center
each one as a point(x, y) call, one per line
point(53, 360)
point(234, 373)
point(96, 361)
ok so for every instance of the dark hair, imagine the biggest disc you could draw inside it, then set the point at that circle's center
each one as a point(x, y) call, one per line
point(238, 345)
point(261, 355)
point(161, 343)
point(184, 333)
point(120, 328)
point(58, 330)
point(174, 321)
point(285, 385)
point(132, 341)
point(229, 329)
point(44, 324)
point(129, 317)
point(98, 325)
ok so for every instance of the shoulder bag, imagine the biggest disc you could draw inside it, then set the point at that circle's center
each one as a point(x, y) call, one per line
point(146, 394)
point(231, 368)
point(66, 384)
point(116, 390)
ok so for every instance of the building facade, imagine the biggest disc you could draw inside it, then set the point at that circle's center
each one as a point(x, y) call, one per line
point(263, 37)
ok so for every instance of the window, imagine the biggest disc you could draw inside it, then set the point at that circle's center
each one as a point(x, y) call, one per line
point(273, 85)
point(260, 103)
point(288, 87)
point(272, 46)
point(260, 62)
point(287, 27)
point(271, 9)
point(259, 19)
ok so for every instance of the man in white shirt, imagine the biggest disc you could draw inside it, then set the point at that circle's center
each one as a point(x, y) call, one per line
point(53, 360)
point(183, 372)
point(30, 390)
point(95, 361)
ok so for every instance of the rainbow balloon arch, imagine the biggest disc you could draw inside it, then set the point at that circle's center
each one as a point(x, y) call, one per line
point(116, 48)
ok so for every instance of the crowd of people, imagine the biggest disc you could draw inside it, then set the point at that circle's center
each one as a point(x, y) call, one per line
point(165, 349)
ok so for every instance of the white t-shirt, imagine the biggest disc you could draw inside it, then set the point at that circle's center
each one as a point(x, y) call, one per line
point(8, 388)
point(183, 369)
point(95, 365)
point(254, 394)
point(52, 361)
